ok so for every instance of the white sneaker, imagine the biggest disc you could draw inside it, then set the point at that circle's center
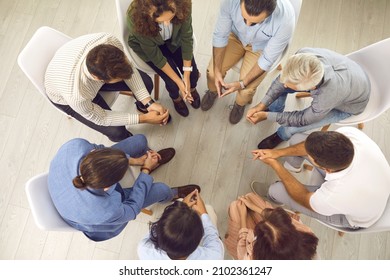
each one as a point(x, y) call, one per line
point(291, 168)
point(261, 189)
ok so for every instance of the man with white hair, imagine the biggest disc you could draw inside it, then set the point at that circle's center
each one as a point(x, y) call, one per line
point(339, 87)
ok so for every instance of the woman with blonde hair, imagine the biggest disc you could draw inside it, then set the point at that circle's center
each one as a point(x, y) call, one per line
point(160, 33)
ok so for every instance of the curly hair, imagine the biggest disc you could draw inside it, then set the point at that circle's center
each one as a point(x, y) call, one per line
point(144, 14)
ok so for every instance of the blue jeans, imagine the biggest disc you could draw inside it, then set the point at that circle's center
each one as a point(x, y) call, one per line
point(285, 132)
point(136, 146)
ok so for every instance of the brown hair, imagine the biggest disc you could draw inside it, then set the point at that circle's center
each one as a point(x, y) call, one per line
point(107, 62)
point(178, 232)
point(145, 12)
point(256, 7)
point(101, 168)
point(278, 239)
point(330, 149)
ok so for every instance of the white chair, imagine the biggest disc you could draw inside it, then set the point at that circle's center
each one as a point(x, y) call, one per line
point(374, 59)
point(45, 214)
point(36, 55)
point(383, 224)
point(297, 9)
point(121, 9)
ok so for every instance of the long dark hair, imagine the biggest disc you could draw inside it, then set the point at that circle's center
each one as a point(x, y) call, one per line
point(178, 232)
point(278, 239)
point(101, 168)
point(145, 12)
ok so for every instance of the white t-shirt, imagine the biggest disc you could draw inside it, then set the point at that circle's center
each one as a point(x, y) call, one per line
point(361, 191)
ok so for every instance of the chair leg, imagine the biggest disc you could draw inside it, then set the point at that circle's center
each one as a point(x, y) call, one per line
point(360, 126)
point(156, 86)
point(279, 68)
point(127, 93)
point(307, 167)
point(325, 127)
point(341, 233)
point(147, 211)
point(302, 95)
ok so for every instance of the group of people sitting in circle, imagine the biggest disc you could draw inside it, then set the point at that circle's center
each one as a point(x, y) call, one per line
point(84, 178)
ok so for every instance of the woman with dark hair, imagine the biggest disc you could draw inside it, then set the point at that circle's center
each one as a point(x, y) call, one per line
point(85, 189)
point(160, 33)
point(257, 231)
point(178, 234)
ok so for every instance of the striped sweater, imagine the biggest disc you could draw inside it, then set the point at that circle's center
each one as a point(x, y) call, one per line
point(68, 82)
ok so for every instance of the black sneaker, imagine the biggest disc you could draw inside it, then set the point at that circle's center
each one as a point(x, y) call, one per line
point(270, 142)
point(195, 95)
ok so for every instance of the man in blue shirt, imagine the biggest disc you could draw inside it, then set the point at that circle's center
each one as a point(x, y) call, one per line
point(84, 184)
point(256, 31)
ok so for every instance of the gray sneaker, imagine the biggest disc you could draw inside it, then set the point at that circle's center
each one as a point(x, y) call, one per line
point(236, 113)
point(261, 189)
point(208, 100)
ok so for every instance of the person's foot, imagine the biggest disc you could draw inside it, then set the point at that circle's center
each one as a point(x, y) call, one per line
point(195, 95)
point(208, 100)
point(181, 107)
point(183, 191)
point(261, 189)
point(166, 155)
point(270, 142)
point(236, 113)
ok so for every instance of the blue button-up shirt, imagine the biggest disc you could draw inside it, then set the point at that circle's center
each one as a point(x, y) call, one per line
point(99, 214)
point(270, 36)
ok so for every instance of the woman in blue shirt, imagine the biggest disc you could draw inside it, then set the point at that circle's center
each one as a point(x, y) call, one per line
point(83, 184)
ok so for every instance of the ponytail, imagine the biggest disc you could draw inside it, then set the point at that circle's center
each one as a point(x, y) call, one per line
point(78, 182)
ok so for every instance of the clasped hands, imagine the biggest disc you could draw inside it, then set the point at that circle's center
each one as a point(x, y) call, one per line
point(195, 201)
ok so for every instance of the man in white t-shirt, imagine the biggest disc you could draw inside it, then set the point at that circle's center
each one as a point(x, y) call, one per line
point(356, 173)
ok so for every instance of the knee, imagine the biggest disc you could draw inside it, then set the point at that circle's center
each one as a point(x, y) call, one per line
point(141, 140)
point(276, 189)
point(119, 133)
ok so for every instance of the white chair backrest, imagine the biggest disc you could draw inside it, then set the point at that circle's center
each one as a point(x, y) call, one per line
point(45, 214)
point(36, 55)
point(375, 60)
point(121, 9)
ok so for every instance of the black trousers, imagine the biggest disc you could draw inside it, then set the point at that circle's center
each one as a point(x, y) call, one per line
point(175, 60)
point(114, 133)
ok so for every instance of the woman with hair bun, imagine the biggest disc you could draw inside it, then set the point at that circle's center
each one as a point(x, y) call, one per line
point(84, 184)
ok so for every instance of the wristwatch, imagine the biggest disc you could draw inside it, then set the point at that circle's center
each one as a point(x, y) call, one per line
point(242, 84)
point(147, 105)
point(187, 68)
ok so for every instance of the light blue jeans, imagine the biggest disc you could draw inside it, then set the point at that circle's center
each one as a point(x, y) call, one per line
point(285, 132)
point(136, 146)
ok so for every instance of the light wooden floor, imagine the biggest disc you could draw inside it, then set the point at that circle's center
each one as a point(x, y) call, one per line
point(210, 151)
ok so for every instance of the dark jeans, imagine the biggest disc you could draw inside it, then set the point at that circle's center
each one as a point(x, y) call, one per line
point(114, 133)
point(175, 60)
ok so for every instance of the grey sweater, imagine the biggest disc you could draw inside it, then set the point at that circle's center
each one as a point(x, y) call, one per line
point(346, 87)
